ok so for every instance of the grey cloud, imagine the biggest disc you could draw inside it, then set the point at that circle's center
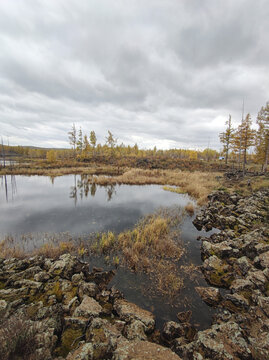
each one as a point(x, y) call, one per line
point(162, 71)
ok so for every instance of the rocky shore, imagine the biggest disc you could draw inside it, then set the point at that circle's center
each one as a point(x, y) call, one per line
point(64, 311)
point(57, 309)
point(237, 259)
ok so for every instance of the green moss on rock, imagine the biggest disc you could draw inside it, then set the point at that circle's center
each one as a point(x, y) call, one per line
point(221, 278)
point(69, 341)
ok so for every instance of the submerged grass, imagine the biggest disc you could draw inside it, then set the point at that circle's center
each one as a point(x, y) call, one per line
point(153, 246)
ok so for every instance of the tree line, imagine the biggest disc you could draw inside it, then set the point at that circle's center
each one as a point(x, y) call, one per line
point(236, 143)
point(85, 147)
point(240, 139)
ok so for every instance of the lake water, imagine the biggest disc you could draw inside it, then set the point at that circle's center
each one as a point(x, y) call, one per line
point(70, 204)
point(40, 205)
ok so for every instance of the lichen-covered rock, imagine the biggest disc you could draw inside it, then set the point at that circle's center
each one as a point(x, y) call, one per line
point(76, 278)
point(3, 307)
point(83, 352)
point(115, 294)
point(66, 267)
point(104, 336)
point(217, 271)
point(89, 289)
point(220, 342)
point(235, 302)
point(142, 350)
point(13, 294)
point(172, 330)
point(41, 276)
point(244, 265)
point(128, 311)
point(263, 303)
point(88, 308)
point(260, 346)
point(209, 295)
point(239, 285)
point(258, 279)
point(135, 330)
point(262, 260)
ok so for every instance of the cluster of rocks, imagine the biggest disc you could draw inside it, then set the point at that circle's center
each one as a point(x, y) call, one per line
point(237, 259)
point(73, 313)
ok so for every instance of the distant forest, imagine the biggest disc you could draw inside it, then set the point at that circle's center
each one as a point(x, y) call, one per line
point(236, 143)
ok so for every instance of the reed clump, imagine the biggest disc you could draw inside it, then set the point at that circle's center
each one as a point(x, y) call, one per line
point(189, 208)
point(107, 241)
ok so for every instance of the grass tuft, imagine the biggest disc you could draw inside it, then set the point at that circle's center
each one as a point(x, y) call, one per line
point(189, 208)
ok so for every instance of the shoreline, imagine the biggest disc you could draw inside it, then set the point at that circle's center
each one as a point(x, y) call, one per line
point(236, 258)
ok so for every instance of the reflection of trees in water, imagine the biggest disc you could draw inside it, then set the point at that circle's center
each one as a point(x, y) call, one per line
point(110, 190)
point(5, 185)
point(73, 191)
point(93, 188)
point(82, 187)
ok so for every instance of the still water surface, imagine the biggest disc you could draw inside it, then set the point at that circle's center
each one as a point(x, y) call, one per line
point(40, 204)
point(71, 204)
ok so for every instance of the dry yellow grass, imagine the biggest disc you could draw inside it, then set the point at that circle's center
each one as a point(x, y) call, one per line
point(173, 189)
point(58, 171)
point(189, 208)
point(8, 249)
point(51, 250)
point(197, 184)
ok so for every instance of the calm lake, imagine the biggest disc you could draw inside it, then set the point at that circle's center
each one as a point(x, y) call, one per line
point(44, 205)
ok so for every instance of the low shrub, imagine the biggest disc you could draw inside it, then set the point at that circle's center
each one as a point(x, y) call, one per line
point(19, 340)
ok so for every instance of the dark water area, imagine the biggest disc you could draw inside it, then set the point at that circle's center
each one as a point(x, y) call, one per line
point(69, 204)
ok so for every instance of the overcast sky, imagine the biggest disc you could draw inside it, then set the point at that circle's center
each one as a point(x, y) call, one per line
point(155, 72)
